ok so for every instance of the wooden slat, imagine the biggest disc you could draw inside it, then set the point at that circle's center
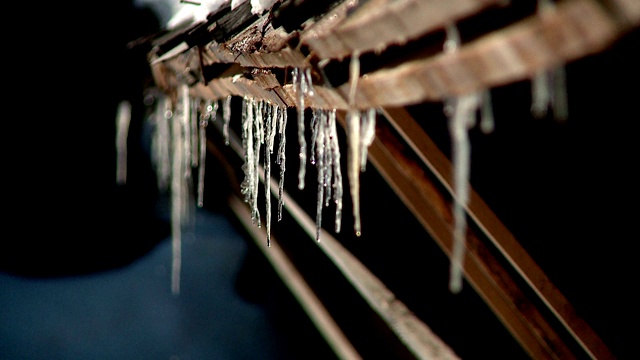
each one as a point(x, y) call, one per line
point(576, 28)
point(518, 314)
point(499, 235)
point(376, 24)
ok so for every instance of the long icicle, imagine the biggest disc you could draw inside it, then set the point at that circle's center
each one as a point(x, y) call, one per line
point(282, 158)
point(210, 114)
point(123, 119)
point(298, 81)
point(337, 173)
point(258, 138)
point(354, 139)
point(270, 129)
point(462, 120)
point(320, 165)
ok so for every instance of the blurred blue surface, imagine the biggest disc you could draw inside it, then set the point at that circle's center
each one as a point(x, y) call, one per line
point(130, 313)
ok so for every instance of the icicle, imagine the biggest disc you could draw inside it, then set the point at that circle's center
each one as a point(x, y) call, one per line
point(210, 114)
point(319, 146)
point(298, 86)
point(548, 86)
point(281, 158)
point(314, 134)
point(193, 133)
point(353, 165)
point(246, 187)
point(368, 134)
point(548, 90)
point(187, 136)
point(270, 130)
point(462, 119)
point(161, 142)
point(337, 173)
point(226, 114)
point(328, 159)
point(123, 120)
point(179, 129)
point(541, 94)
point(354, 141)
point(258, 138)
point(487, 123)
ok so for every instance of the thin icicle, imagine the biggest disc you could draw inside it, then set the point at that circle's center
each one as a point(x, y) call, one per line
point(354, 141)
point(353, 165)
point(314, 134)
point(548, 90)
point(258, 138)
point(281, 158)
point(246, 187)
point(185, 111)
point(297, 86)
point(161, 142)
point(320, 155)
point(303, 87)
point(194, 122)
point(462, 119)
point(270, 129)
point(226, 116)
point(541, 94)
point(487, 123)
point(123, 119)
point(210, 114)
point(328, 159)
point(548, 86)
point(367, 135)
point(337, 173)
point(179, 129)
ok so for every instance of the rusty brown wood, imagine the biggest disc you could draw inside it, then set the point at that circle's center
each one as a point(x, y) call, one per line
point(499, 235)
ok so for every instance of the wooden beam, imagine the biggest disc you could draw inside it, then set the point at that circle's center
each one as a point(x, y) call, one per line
point(498, 234)
point(483, 272)
point(376, 24)
point(574, 29)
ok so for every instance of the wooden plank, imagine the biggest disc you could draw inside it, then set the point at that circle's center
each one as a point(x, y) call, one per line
point(376, 24)
point(482, 271)
point(576, 28)
point(499, 235)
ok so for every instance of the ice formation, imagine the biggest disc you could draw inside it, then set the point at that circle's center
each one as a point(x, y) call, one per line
point(123, 120)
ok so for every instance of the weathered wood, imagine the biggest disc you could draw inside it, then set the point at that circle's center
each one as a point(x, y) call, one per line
point(376, 24)
point(576, 28)
point(518, 314)
point(498, 234)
